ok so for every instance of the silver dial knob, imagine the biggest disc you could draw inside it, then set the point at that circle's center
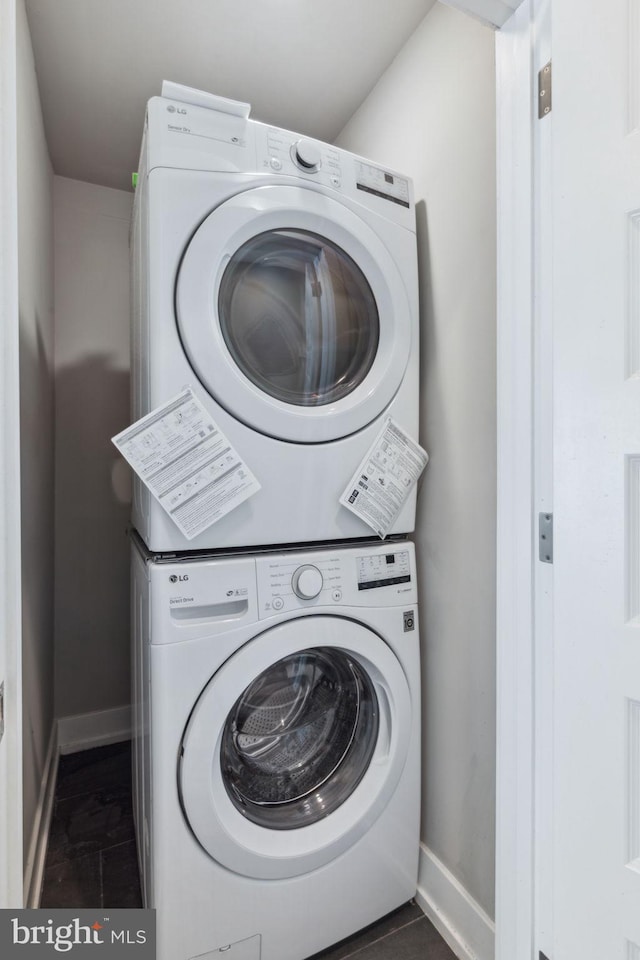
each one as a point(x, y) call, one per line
point(307, 582)
point(306, 155)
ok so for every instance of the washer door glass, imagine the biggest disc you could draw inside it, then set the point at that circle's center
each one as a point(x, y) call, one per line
point(306, 725)
point(298, 317)
point(299, 739)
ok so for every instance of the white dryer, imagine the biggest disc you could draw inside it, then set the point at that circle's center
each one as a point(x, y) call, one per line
point(276, 276)
point(276, 750)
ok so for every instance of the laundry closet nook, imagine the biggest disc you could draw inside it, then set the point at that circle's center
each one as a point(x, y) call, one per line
point(431, 114)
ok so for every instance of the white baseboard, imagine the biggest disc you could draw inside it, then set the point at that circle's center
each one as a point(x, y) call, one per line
point(86, 730)
point(464, 925)
point(34, 867)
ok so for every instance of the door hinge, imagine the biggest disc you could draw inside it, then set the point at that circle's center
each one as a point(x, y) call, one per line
point(544, 91)
point(545, 537)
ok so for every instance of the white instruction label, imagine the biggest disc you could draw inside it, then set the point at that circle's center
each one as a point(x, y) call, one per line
point(385, 478)
point(187, 463)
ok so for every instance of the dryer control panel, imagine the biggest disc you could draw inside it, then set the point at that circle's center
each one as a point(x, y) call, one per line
point(344, 577)
point(283, 152)
point(190, 136)
point(280, 151)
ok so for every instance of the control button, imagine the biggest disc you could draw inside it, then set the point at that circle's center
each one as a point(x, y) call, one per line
point(275, 163)
point(278, 603)
point(307, 582)
point(306, 155)
point(337, 595)
point(335, 181)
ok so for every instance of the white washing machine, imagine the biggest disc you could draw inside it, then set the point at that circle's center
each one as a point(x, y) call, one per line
point(276, 755)
point(277, 277)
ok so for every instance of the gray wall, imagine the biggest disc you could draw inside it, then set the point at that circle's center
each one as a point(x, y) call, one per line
point(76, 394)
point(92, 486)
point(35, 258)
point(432, 115)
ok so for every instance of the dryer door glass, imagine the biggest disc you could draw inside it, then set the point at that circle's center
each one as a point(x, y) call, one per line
point(298, 317)
point(300, 738)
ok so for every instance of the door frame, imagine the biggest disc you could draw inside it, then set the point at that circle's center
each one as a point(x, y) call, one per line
point(524, 469)
point(524, 480)
point(11, 824)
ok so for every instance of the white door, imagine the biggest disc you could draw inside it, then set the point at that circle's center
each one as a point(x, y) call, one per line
point(596, 408)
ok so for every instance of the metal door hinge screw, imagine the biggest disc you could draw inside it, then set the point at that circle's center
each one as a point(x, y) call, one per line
point(544, 91)
point(545, 537)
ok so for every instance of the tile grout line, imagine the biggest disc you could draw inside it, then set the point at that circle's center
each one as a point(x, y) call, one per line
point(94, 790)
point(100, 874)
point(79, 855)
point(120, 843)
point(391, 933)
point(87, 793)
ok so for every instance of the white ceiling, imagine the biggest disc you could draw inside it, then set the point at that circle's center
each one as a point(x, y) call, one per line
point(302, 64)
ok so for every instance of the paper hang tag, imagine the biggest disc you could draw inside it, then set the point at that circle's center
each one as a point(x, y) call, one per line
point(385, 478)
point(187, 463)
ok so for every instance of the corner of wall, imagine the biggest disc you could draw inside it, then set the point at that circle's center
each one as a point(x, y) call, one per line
point(35, 292)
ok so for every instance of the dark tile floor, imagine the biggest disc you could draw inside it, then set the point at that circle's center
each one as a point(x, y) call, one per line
point(91, 856)
point(405, 934)
point(91, 859)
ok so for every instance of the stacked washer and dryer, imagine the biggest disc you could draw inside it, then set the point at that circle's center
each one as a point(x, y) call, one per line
point(276, 669)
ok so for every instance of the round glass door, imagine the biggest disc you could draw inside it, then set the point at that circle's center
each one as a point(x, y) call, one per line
point(294, 314)
point(298, 317)
point(304, 729)
point(299, 739)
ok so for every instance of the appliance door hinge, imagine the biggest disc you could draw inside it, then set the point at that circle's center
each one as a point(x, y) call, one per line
point(545, 537)
point(544, 91)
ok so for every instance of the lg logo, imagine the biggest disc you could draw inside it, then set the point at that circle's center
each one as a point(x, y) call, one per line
point(173, 109)
point(174, 578)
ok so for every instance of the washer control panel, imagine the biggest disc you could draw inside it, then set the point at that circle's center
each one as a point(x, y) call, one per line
point(383, 570)
point(355, 576)
point(291, 582)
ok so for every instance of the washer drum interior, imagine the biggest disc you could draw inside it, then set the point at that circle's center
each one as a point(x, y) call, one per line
point(300, 738)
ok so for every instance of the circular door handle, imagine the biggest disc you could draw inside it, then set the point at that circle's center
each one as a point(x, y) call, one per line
point(307, 582)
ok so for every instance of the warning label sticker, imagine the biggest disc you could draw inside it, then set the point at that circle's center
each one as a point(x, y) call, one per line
point(382, 483)
point(187, 463)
